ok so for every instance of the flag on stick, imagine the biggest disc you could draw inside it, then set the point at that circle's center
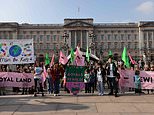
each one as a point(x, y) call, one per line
point(125, 58)
point(52, 60)
point(87, 55)
point(72, 55)
point(47, 59)
point(110, 53)
point(79, 59)
point(44, 74)
point(131, 59)
point(63, 59)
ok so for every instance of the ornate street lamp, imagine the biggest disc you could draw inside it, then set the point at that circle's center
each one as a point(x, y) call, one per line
point(65, 45)
point(92, 44)
point(65, 36)
point(149, 55)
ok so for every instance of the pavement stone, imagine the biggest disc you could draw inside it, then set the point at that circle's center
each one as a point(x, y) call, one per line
point(83, 104)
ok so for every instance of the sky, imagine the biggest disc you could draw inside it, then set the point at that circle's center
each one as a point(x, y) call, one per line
point(55, 11)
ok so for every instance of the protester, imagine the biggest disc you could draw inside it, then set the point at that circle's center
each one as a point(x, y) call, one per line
point(87, 81)
point(25, 70)
point(2, 89)
point(100, 82)
point(50, 81)
point(92, 80)
point(137, 82)
point(64, 83)
point(56, 79)
point(38, 78)
point(112, 76)
point(152, 68)
point(104, 75)
point(147, 68)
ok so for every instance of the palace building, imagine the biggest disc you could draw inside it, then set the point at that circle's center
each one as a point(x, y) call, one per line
point(98, 37)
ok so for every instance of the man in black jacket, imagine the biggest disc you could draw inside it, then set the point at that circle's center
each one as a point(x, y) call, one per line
point(111, 71)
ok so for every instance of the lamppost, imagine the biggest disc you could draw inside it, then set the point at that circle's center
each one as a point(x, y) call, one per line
point(92, 44)
point(65, 45)
point(149, 55)
point(101, 54)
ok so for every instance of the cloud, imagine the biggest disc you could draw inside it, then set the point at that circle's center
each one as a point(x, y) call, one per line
point(146, 7)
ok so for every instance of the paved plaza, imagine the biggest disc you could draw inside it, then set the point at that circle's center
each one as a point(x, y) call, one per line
point(83, 104)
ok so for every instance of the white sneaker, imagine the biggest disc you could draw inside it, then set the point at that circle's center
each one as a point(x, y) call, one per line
point(54, 95)
point(102, 94)
point(99, 94)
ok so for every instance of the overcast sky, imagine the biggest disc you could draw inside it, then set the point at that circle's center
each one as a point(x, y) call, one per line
point(54, 11)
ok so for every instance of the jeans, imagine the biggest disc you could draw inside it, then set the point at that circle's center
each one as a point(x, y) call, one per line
point(38, 81)
point(50, 85)
point(113, 84)
point(92, 87)
point(87, 87)
point(100, 87)
point(56, 85)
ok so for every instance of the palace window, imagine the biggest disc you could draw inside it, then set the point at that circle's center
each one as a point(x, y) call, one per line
point(128, 36)
point(102, 37)
point(41, 37)
point(115, 36)
point(48, 37)
point(145, 36)
point(54, 37)
point(150, 36)
point(122, 36)
point(109, 36)
point(135, 37)
point(34, 37)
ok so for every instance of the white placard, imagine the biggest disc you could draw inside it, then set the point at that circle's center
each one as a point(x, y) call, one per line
point(16, 51)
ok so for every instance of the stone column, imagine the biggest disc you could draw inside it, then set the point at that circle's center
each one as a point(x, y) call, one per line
point(153, 40)
point(75, 38)
point(87, 38)
point(81, 40)
point(69, 39)
point(147, 40)
point(140, 40)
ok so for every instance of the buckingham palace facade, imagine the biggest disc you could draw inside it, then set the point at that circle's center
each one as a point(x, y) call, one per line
point(99, 37)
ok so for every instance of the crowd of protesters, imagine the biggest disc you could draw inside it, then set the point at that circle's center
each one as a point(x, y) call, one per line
point(97, 76)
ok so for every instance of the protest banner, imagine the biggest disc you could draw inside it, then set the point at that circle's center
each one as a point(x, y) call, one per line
point(16, 51)
point(75, 78)
point(12, 79)
point(127, 79)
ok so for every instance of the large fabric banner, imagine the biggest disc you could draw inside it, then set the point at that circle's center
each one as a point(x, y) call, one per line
point(12, 79)
point(74, 78)
point(16, 51)
point(127, 79)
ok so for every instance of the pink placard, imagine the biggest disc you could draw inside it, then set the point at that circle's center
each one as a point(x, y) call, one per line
point(13, 79)
point(127, 79)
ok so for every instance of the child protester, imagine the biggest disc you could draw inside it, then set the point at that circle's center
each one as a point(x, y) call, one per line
point(137, 82)
point(86, 81)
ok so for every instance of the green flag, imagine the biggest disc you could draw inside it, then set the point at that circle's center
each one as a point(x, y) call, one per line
point(125, 58)
point(72, 55)
point(110, 53)
point(87, 55)
point(47, 59)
